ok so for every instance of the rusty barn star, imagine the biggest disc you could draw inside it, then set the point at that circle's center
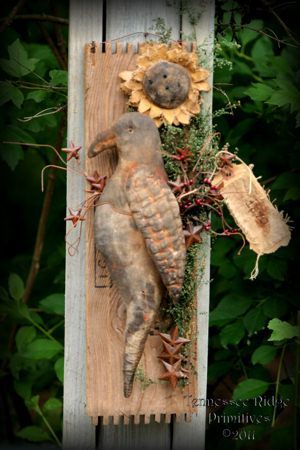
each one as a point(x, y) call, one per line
point(173, 338)
point(171, 354)
point(178, 185)
point(72, 151)
point(173, 373)
point(97, 182)
point(184, 154)
point(75, 216)
point(191, 235)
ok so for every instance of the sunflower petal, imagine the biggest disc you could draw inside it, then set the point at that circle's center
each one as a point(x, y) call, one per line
point(158, 122)
point(200, 75)
point(126, 75)
point(183, 117)
point(203, 86)
point(133, 85)
point(155, 112)
point(138, 75)
point(169, 115)
point(192, 107)
point(144, 105)
point(136, 97)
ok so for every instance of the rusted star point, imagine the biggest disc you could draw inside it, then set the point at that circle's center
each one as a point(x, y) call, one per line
point(72, 151)
point(75, 217)
point(97, 182)
point(173, 338)
point(173, 373)
point(192, 235)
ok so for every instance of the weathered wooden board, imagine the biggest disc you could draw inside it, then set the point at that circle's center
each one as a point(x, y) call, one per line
point(122, 17)
point(105, 314)
point(191, 436)
point(78, 432)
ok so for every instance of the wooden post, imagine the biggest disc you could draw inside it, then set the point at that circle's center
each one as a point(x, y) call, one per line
point(122, 17)
point(78, 431)
point(191, 436)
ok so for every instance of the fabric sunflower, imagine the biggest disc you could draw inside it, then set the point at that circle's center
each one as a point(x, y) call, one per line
point(166, 84)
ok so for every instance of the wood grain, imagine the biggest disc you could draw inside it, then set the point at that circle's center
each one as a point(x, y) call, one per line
point(104, 103)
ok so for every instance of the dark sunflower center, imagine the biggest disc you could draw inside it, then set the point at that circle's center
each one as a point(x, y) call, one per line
point(167, 84)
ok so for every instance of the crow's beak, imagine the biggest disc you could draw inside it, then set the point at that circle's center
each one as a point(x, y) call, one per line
point(103, 141)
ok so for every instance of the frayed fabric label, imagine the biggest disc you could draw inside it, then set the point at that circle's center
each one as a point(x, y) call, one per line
point(264, 227)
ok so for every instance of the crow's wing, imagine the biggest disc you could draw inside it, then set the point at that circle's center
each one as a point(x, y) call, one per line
point(156, 214)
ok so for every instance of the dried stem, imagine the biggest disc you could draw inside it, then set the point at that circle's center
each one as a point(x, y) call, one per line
point(282, 23)
point(53, 47)
point(38, 17)
point(12, 15)
point(40, 236)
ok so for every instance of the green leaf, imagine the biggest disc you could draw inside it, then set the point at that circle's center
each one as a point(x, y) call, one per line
point(42, 349)
point(229, 5)
point(242, 128)
point(277, 268)
point(18, 63)
point(53, 304)
point(282, 330)
point(249, 34)
point(232, 334)
point(12, 154)
point(8, 92)
point(38, 96)
point(24, 336)
point(259, 92)
point(15, 286)
point(4, 294)
point(286, 180)
point(59, 77)
point(52, 403)
point(254, 320)
point(250, 388)
point(292, 194)
point(33, 403)
point(14, 133)
point(217, 369)
point(23, 388)
point(33, 434)
point(59, 369)
point(263, 354)
point(274, 307)
point(227, 17)
point(286, 95)
point(230, 307)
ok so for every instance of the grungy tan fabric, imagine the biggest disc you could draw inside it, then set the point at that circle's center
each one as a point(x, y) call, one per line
point(262, 224)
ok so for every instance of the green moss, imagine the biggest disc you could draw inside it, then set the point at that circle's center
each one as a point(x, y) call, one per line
point(183, 311)
point(143, 379)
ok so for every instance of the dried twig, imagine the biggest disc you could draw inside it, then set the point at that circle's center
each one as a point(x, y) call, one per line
point(40, 236)
point(38, 17)
point(12, 15)
point(282, 23)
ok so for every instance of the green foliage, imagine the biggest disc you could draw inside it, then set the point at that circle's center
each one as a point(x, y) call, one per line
point(33, 97)
point(263, 354)
point(253, 331)
point(254, 335)
point(249, 388)
point(282, 330)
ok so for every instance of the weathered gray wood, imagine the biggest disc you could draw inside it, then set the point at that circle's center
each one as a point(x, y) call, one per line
point(125, 17)
point(191, 436)
point(78, 431)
